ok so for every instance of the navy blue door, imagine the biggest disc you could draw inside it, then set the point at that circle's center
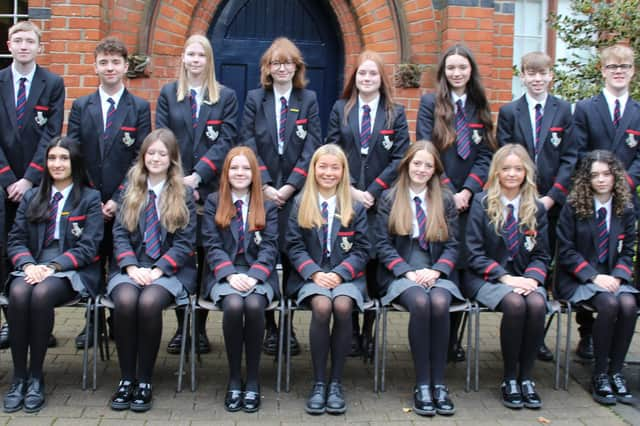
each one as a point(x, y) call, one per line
point(243, 29)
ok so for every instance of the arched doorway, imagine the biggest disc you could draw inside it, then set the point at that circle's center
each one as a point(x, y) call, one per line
point(243, 29)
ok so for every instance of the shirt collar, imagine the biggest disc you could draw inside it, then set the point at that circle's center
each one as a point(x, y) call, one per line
point(17, 76)
point(157, 188)
point(286, 94)
point(331, 201)
point(606, 205)
point(422, 195)
point(455, 98)
point(531, 101)
point(65, 192)
point(116, 96)
point(515, 202)
point(244, 198)
point(372, 104)
point(611, 99)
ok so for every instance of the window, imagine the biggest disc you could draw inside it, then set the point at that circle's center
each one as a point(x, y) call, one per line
point(529, 34)
point(11, 11)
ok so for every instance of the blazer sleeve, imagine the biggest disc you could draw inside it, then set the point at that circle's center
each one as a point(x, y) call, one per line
point(75, 120)
point(539, 258)
point(248, 136)
point(123, 250)
point(505, 125)
point(18, 249)
point(480, 170)
point(7, 177)
point(624, 266)
point(353, 265)
point(479, 260)
point(568, 158)
point(569, 256)
point(217, 257)
point(265, 264)
point(387, 253)
point(183, 244)
point(299, 256)
point(633, 172)
point(335, 125)
point(424, 122)
point(311, 143)
point(446, 262)
point(162, 109)
point(580, 129)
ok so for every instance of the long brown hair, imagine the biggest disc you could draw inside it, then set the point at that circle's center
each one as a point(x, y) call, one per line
point(401, 216)
point(350, 93)
point(282, 49)
point(444, 132)
point(226, 210)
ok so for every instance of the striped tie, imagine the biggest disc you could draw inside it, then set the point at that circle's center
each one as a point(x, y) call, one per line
point(239, 226)
point(283, 124)
point(463, 141)
point(194, 108)
point(152, 228)
point(110, 112)
point(21, 102)
point(616, 113)
point(325, 228)
point(421, 218)
point(538, 145)
point(365, 127)
point(51, 219)
point(603, 236)
point(511, 232)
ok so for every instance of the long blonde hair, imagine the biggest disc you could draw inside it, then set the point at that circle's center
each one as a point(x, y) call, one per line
point(528, 190)
point(173, 213)
point(309, 214)
point(210, 87)
point(401, 215)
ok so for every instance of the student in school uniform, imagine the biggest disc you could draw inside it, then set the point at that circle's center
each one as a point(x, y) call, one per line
point(417, 250)
point(31, 114)
point(609, 120)
point(202, 114)
point(597, 237)
point(328, 247)
point(110, 125)
point(506, 239)
point(154, 263)
point(457, 119)
point(240, 233)
point(372, 130)
point(281, 124)
point(53, 246)
point(541, 123)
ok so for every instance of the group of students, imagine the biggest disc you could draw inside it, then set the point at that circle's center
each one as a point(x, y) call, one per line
point(364, 213)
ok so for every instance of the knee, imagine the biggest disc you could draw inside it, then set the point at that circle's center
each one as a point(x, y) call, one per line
point(607, 305)
point(628, 305)
point(440, 302)
point(513, 306)
point(342, 307)
point(321, 308)
point(19, 292)
point(536, 304)
point(233, 305)
point(149, 305)
point(254, 306)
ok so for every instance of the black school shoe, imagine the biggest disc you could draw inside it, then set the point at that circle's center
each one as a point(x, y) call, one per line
point(142, 398)
point(442, 401)
point(121, 399)
point(335, 399)
point(423, 401)
point(250, 401)
point(530, 397)
point(619, 387)
point(317, 401)
point(511, 395)
point(233, 400)
point(34, 398)
point(601, 390)
point(14, 398)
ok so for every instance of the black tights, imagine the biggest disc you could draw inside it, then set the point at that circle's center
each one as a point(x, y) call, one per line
point(612, 330)
point(243, 321)
point(321, 339)
point(30, 318)
point(521, 333)
point(428, 331)
point(137, 327)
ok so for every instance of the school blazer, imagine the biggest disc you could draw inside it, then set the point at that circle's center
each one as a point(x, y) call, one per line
point(108, 161)
point(578, 253)
point(349, 249)
point(204, 148)
point(488, 254)
point(302, 134)
point(386, 147)
point(177, 249)
point(594, 129)
point(393, 249)
point(22, 150)
point(260, 247)
point(470, 173)
point(558, 154)
point(81, 231)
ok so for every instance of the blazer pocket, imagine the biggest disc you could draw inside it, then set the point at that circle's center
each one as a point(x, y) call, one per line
point(76, 225)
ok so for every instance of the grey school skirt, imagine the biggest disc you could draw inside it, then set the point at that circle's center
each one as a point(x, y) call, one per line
point(355, 290)
point(491, 294)
point(586, 291)
point(171, 284)
point(223, 288)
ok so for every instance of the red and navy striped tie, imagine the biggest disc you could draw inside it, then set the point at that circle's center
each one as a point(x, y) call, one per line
point(21, 102)
point(365, 128)
point(538, 145)
point(616, 113)
point(194, 108)
point(325, 228)
point(284, 109)
point(239, 226)
point(110, 112)
point(51, 219)
point(152, 228)
point(603, 236)
point(421, 218)
point(463, 141)
point(511, 232)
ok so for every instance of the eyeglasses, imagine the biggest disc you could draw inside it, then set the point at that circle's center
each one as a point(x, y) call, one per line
point(277, 64)
point(616, 67)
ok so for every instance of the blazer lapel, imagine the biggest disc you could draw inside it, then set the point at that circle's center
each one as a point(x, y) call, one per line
point(64, 220)
point(268, 107)
point(353, 120)
point(524, 122)
point(593, 228)
point(631, 111)
point(203, 115)
point(292, 114)
point(37, 86)
point(122, 110)
point(605, 116)
point(550, 110)
point(379, 124)
point(185, 109)
point(94, 108)
point(615, 229)
point(9, 95)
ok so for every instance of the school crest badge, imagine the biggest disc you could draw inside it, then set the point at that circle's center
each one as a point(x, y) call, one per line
point(555, 140)
point(476, 137)
point(76, 231)
point(529, 240)
point(301, 132)
point(127, 140)
point(387, 143)
point(41, 117)
point(346, 245)
point(211, 133)
point(631, 140)
point(257, 238)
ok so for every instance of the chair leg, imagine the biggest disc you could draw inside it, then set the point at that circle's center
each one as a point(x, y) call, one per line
point(95, 312)
point(556, 367)
point(85, 352)
point(476, 349)
point(376, 341)
point(287, 346)
point(383, 362)
point(182, 354)
point(192, 315)
point(466, 320)
point(567, 349)
point(281, 310)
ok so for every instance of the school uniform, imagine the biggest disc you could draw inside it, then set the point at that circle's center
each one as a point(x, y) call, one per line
point(22, 149)
point(490, 258)
point(75, 248)
point(204, 147)
point(399, 254)
point(257, 259)
point(347, 257)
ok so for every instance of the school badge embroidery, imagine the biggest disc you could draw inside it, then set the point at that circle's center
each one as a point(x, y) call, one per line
point(301, 132)
point(387, 143)
point(529, 241)
point(76, 231)
point(620, 246)
point(257, 238)
point(127, 139)
point(476, 137)
point(555, 140)
point(41, 120)
point(631, 140)
point(211, 133)
point(346, 245)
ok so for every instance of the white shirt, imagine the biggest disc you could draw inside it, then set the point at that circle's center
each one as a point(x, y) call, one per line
point(105, 105)
point(372, 116)
point(199, 98)
point(245, 206)
point(455, 98)
point(331, 209)
point(157, 189)
point(16, 82)
point(278, 106)
point(607, 206)
point(65, 194)
point(416, 231)
point(515, 203)
point(611, 102)
point(531, 103)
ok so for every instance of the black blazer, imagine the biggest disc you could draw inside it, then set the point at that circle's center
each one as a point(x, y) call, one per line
point(260, 247)
point(108, 161)
point(22, 151)
point(470, 173)
point(81, 229)
point(489, 256)
point(392, 249)
point(204, 149)
point(558, 154)
point(578, 249)
point(302, 134)
point(177, 249)
point(349, 249)
point(386, 148)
